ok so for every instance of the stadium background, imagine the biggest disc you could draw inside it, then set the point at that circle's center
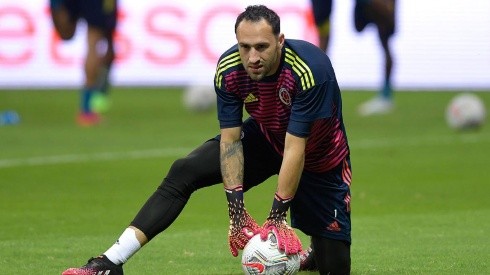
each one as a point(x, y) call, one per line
point(439, 44)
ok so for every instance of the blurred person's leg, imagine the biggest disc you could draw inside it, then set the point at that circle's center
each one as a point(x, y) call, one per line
point(106, 20)
point(385, 22)
point(382, 14)
point(65, 15)
point(103, 78)
point(93, 63)
point(101, 18)
point(321, 13)
point(64, 18)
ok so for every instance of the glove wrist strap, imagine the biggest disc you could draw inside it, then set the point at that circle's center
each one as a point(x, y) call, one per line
point(280, 208)
point(235, 200)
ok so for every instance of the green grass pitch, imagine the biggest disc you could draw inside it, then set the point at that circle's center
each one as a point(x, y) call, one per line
point(420, 192)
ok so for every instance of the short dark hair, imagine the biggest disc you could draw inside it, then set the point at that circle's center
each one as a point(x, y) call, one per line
point(255, 13)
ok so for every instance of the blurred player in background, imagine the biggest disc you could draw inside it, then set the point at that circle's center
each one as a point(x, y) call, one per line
point(321, 13)
point(381, 13)
point(295, 130)
point(101, 18)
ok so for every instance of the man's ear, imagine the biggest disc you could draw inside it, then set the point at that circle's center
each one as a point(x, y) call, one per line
point(281, 39)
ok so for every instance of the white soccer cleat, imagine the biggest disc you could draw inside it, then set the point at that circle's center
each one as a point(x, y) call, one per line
point(376, 106)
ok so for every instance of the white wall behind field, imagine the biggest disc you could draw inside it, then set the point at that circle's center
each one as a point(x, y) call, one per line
point(439, 44)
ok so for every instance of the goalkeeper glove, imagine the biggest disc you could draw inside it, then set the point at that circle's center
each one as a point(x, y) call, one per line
point(287, 239)
point(242, 226)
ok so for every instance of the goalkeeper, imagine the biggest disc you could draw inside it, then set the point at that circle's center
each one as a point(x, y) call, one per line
point(295, 130)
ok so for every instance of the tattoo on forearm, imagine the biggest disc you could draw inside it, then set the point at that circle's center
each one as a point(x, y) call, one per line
point(232, 163)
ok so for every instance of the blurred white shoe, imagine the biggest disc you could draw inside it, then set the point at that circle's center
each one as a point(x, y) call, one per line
point(376, 106)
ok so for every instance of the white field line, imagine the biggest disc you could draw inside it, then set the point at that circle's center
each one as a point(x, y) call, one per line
point(365, 144)
point(105, 156)
point(463, 138)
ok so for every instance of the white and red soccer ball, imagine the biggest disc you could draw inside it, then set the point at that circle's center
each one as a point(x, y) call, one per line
point(264, 257)
point(465, 111)
point(199, 98)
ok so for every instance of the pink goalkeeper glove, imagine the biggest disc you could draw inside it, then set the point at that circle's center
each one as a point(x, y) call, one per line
point(287, 240)
point(242, 226)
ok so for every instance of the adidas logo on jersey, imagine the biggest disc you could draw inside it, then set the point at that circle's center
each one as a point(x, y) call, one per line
point(250, 98)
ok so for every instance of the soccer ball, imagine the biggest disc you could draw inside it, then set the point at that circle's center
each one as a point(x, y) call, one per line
point(264, 257)
point(465, 111)
point(199, 98)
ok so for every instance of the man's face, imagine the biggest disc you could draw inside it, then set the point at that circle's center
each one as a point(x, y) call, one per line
point(259, 48)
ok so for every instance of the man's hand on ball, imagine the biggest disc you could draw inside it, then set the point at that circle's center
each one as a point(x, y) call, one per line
point(287, 240)
point(242, 228)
